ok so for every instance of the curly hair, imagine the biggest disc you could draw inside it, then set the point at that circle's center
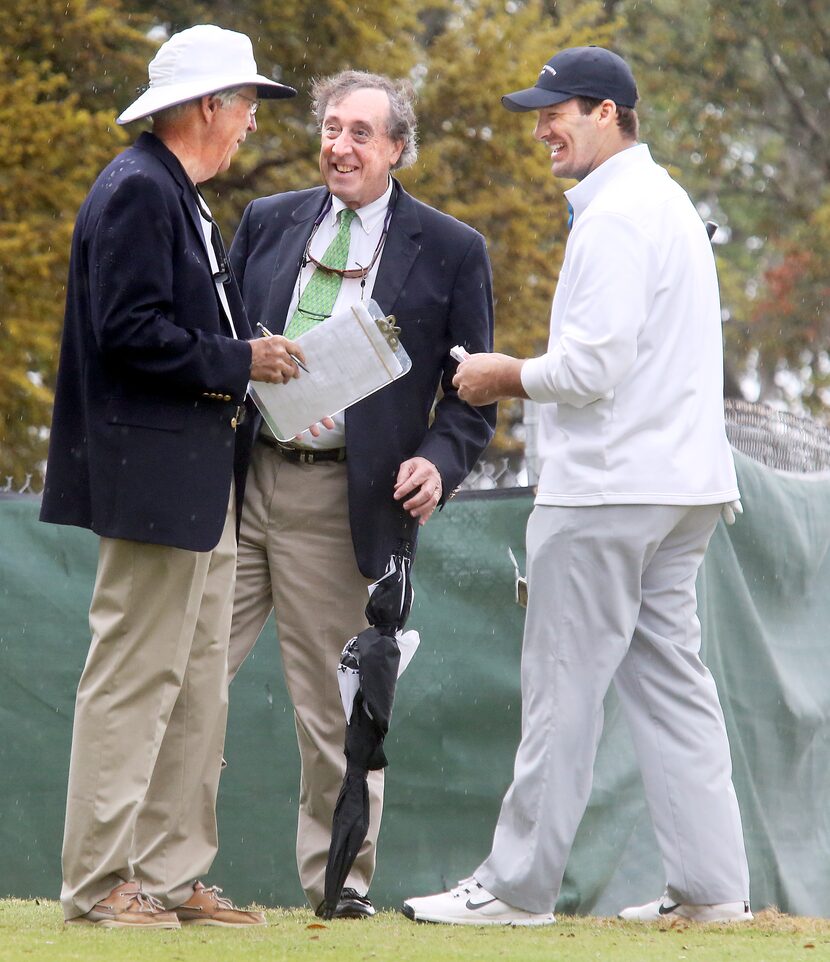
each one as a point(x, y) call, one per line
point(403, 124)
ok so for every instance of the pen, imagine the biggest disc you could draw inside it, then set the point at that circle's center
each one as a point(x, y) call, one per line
point(266, 333)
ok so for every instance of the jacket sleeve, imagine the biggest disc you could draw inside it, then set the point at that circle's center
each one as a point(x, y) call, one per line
point(238, 254)
point(146, 294)
point(459, 433)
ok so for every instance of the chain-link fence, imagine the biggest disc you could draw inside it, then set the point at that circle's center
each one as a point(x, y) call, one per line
point(778, 439)
point(27, 487)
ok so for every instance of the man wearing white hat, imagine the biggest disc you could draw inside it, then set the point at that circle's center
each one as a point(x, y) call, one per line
point(149, 450)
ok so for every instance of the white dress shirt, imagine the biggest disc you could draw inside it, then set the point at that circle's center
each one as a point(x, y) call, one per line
point(365, 232)
point(632, 383)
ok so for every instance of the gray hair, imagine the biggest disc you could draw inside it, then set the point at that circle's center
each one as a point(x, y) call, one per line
point(170, 115)
point(403, 125)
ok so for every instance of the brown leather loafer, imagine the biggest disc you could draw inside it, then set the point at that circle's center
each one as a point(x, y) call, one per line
point(207, 907)
point(128, 907)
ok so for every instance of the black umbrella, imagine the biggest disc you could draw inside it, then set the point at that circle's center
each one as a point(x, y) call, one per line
point(368, 672)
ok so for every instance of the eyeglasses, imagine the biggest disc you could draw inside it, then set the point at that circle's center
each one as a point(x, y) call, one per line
point(254, 103)
point(352, 273)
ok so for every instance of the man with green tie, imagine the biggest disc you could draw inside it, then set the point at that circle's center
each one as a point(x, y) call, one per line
point(322, 516)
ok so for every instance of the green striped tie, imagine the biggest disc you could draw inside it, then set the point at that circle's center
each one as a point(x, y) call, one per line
point(317, 300)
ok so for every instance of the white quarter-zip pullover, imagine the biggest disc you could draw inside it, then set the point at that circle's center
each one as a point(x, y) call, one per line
point(632, 382)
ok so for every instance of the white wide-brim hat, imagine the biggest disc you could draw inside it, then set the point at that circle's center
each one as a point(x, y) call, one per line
point(198, 61)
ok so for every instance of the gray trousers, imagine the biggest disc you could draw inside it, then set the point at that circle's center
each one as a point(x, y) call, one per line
point(612, 598)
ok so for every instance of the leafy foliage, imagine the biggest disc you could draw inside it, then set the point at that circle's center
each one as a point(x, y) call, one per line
point(479, 162)
point(295, 41)
point(734, 96)
point(56, 132)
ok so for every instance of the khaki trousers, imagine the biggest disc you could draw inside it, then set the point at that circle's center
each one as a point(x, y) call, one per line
point(149, 722)
point(296, 556)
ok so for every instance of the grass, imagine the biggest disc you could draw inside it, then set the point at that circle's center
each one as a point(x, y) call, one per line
point(33, 931)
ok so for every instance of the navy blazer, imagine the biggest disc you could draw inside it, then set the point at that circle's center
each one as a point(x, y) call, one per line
point(142, 444)
point(434, 276)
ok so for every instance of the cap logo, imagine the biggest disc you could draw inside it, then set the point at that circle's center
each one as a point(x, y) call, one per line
point(547, 69)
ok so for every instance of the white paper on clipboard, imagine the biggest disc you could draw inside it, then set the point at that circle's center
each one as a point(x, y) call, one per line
point(348, 356)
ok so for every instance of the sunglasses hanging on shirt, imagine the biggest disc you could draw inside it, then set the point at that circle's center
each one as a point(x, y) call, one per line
point(354, 273)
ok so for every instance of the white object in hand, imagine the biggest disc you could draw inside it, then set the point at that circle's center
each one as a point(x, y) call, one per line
point(731, 510)
point(458, 353)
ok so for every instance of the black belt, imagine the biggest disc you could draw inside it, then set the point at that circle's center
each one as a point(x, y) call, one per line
point(303, 455)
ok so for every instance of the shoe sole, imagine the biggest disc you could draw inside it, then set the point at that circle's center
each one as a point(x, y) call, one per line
point(224, 925)
point(673, 917)
point(114, 924)
point(410, 913)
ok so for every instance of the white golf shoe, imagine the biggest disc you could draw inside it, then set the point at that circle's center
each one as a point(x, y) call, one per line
point(666, 908)
point(469, 903)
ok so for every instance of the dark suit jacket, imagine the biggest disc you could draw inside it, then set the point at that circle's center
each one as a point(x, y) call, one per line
point(434, 276)
point(142, 445)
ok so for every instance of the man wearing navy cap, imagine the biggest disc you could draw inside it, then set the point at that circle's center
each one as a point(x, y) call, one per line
point(636, 471)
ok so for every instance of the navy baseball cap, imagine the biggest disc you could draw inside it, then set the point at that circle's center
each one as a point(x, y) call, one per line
point(578, 72)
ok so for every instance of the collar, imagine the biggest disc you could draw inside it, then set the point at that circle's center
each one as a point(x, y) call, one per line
point(580, 196)
point(154, 145)
point(368, 216)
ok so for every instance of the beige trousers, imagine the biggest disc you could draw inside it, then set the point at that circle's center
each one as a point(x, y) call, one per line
point(149, 722)
point(296, 556)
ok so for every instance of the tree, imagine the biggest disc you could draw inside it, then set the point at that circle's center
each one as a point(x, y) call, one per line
point(732, 97)
point(56, 132)
point(479, 162)
point(71, 70)
point(791, 316)
point(295, 41)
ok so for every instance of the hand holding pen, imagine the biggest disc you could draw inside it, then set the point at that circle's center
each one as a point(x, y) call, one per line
point(293, 355)
point(274, 358)
point(313, 429)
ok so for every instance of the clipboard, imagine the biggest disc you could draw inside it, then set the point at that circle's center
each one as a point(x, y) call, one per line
point(349, 356)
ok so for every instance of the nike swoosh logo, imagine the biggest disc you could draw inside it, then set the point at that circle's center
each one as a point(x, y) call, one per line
point(668, 909)
point(472, 906)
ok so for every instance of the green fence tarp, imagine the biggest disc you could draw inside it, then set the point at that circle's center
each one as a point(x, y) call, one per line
point(765, 610)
